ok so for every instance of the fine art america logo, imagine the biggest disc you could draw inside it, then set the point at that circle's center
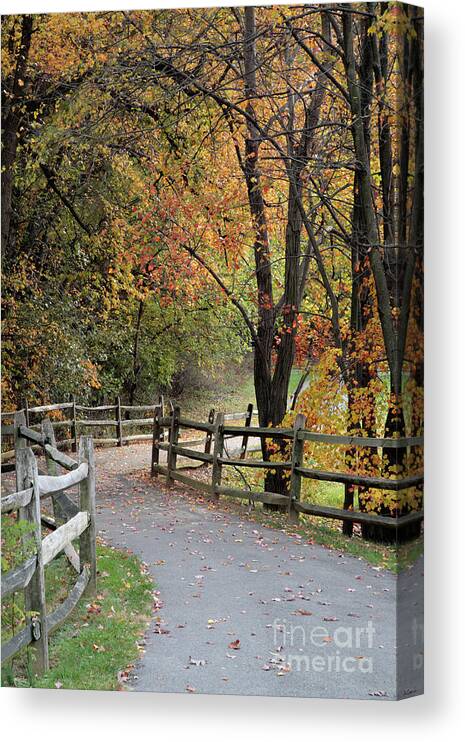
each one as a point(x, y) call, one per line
point(306, 649)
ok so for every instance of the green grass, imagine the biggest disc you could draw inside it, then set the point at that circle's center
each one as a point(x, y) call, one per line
point(100, 638)
point(232, 391)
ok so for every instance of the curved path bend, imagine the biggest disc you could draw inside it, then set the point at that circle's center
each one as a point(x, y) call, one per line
point(245, 609)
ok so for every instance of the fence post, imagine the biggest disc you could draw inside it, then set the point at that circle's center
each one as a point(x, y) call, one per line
point(173, 441)
point(46, 428)
point(348, 525)
point(21, 477)
point(161, 404)
point(63, 507)
point(209, 436)
point(218, 445)
point(20, 443)
point(74, 426)
point(248, 423)
point(26, 411)
point(296, 461)
point(155, 442)
point(35, 592)
point(119, 424)
point(87, 539)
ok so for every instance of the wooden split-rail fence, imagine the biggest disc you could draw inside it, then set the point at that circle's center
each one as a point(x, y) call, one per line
point(214, 432)
point(77, 418)
point(218, 428)
point(70, 522)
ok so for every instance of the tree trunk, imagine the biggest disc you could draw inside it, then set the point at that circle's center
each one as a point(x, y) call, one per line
point(392, 267)
point(132, 386)
point(11, 120)
point(361, 420)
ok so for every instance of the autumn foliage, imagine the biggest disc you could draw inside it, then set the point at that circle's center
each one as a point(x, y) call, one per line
point(184, 187)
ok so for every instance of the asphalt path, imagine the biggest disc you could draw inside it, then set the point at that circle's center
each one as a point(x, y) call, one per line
point(244, 609)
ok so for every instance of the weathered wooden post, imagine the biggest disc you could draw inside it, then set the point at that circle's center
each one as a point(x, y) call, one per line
point(248, 423)
point(209, 436)
point(87, 539)
point(73, 426)
point(119, 422)
point(296, 462)
point(63, 507)
point(218, 445)
point(48, 433)
point(348, 525)
point(26, 411)
point(21, 477)
point(35, 592)
point(161, 404)
point(157, 429)
point(20, 443)
point(173, 441)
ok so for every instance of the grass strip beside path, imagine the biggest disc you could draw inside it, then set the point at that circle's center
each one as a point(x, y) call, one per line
point(104, 634)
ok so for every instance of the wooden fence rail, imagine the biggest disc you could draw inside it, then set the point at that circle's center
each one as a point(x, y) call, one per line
point(76, 423)
point(220, 429)
point(215, 431)
point(121, 424)
point(69, 524)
